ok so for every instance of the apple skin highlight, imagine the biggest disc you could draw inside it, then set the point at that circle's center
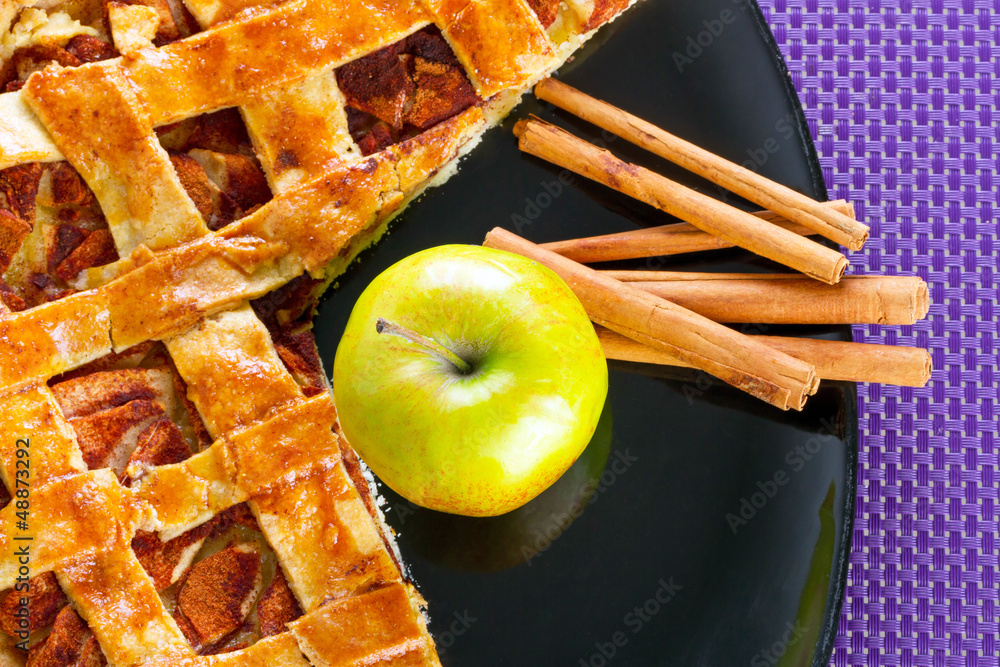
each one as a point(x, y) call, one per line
point(486, 442)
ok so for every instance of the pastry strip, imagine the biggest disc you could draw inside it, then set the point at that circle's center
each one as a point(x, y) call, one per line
point(239, 465)
point(299, 132)
point(71, 518)
point(276, 651)
point(240, 387)
point(53, 337)
point(233, 62)
point(32, 413)
point(23, 138)
point(500, 42)
point(112, 592)
point(378, 627)
point(314, 519)
point(101, 128)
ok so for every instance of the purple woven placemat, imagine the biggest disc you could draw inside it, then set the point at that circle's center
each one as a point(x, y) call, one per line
point(902, 100)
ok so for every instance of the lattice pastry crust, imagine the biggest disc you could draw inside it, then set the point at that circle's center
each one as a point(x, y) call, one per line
point(165, 378)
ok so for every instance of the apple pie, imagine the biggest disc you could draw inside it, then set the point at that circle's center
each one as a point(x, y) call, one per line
point(179, 182)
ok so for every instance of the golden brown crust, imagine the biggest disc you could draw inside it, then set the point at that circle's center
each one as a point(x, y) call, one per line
point(277, 651)
point(238, 389)
point(89, 511)
point(377, 627)
point(113, 592)
point(501, 43)
point(33, 413)
point(332, 527)
point(60, 335)
point(318, 219)
point(300, 131)
point(230, 63)
point(100, 126)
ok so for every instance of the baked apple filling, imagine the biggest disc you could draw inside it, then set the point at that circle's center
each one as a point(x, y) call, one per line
point(220, 581)
point(67, 640)
point(214, 159)
point(51, 229)
point(403, 89)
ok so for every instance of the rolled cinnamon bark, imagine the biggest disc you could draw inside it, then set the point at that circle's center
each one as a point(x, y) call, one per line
point(674, 239)
point(787, 298)
point(833, 360)
point(738, 179)
point(740, 360)
point(710, 215)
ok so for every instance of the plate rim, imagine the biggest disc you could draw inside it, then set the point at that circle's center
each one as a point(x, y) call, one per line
point(838, 584)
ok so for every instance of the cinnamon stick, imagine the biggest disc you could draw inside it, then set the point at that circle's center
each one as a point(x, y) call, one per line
point(740, 360)
point(674, 239)
point(710, 215)
point(833, 360)
point(787, 298)
point(793, 205)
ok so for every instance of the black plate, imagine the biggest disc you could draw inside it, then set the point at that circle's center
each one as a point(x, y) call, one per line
point(640, 555)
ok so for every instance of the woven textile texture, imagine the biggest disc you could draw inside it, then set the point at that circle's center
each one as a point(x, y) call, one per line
point(902, 100)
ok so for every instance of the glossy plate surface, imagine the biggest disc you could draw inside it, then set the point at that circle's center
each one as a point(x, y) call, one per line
point(701, 527)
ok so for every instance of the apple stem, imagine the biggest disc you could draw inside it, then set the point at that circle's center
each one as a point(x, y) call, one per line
point(438, 350)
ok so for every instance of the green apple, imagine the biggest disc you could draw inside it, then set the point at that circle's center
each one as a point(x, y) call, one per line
point(484, 386)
